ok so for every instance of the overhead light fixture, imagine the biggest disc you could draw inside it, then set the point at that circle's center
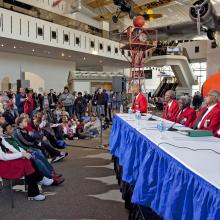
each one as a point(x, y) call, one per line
point(62, 54)
point(84, 58)
point(33, 50)
point(2, 45)
point(69, 56)
point(14, 47)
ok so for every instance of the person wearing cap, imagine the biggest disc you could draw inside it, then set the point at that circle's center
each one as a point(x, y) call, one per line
point(186, 115)
point(140, 102)
point(209, 116)
point(171, 107)
point(21, 97)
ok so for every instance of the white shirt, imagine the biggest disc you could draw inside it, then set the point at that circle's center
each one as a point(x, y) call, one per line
point(207, 112)
point(10, 147)
point(137, 96)
point(4, 156)
point(169, 104)
point(181, 111)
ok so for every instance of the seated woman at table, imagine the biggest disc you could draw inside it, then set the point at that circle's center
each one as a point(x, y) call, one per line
point(18, 165)
point(185, 115)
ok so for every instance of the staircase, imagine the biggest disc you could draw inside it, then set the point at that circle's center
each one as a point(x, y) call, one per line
point(166, 84)
point(181, 69)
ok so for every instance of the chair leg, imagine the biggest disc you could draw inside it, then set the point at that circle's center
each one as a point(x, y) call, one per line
point(12, 194)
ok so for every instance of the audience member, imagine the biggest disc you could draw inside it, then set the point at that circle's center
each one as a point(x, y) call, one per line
point(67, 99)
point(80, 106)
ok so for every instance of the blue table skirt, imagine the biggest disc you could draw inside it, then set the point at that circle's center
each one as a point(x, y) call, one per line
point(160, 181)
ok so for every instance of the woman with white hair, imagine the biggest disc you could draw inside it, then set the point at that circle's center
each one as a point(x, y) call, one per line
point(186, 115)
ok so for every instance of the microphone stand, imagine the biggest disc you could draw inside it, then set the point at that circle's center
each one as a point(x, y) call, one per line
point(171, 128)
point(101, 146)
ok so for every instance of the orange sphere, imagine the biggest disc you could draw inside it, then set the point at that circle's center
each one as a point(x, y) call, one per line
point(139, 21)
point(212, 83)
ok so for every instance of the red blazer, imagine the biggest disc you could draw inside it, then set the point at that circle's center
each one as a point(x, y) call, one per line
point(186, 117)
point(140, 104)
point(171, 113)
point(211, 121)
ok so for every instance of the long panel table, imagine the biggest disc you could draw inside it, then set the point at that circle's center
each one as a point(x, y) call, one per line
point(177, 176)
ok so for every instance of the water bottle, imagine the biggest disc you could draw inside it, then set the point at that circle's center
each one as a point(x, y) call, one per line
point(130, 111)
point(161, 127)
point(138, 118)
point(121, 109)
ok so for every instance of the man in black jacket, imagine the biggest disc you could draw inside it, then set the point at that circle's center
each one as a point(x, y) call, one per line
point(80, 106)
point(52, 99)
point(100, 108)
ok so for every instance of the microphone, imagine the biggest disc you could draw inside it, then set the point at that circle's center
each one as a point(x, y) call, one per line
point(171, 128)
point(151, 118)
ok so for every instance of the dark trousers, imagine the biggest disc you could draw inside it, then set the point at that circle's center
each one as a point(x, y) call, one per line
point(79, 115)
point(50, 149)
point(32, 181)
point(106, 109)
point(69, 109)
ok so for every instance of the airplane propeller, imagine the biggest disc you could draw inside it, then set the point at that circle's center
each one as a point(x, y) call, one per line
point(197, 10)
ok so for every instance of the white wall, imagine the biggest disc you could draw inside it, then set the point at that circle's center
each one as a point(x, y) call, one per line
point(17, 26)
point(113, 69)
point(152, 84)
point(53, 72)
point(37, 83)
point(190, 47)
point(82, 86)
point(213, 61)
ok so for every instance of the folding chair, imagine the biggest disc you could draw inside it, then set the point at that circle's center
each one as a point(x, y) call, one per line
point(11, 188)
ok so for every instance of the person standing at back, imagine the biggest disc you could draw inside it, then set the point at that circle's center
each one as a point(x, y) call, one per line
point(80, 106)
point(171, 107)
point(106, 101)
point(52, 99)
point(67, 100)
point(100, 99)
point(21, 97)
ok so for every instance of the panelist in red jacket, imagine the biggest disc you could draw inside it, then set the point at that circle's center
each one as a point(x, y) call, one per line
point(140, 102)
point(185, 115)
point(171, 107)
point(209, 116)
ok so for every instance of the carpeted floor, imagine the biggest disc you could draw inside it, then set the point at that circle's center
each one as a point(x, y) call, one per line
point(89, 192)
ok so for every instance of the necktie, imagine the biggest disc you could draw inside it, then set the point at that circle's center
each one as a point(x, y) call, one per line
point(195, 126)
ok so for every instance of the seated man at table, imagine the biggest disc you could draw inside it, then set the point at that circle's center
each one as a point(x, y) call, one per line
point(171, 107)
point(140, 102)
point(185, 115)
point(209, 116)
